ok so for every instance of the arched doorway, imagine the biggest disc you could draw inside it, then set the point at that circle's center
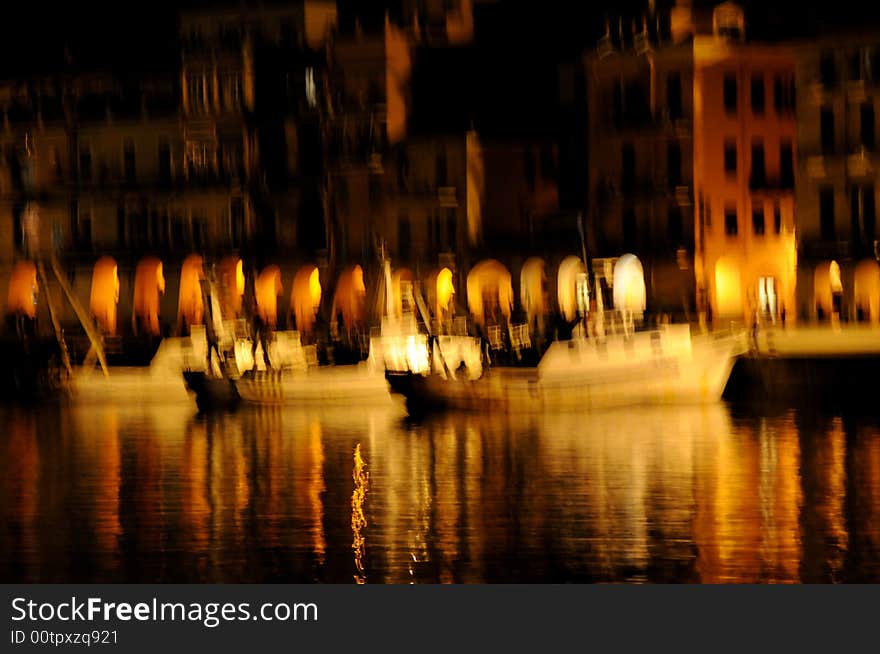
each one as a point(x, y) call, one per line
point(305, 298)
point(105, 294)
point(23, 289)
point(629, 285)
point(230, 279)
point(267, 288)
point(190, 310)
point(149, 284)
point(489, 292)
point(402, 291)
point(349, 299)
point(572, 288)
point(533, 293)
point(728, 290)
point(827, 290)
point(867, 291)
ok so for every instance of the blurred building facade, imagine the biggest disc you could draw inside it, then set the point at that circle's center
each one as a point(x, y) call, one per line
point(837, 178)
point(694, 128)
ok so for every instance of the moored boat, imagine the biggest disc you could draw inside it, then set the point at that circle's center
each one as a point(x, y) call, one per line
point(663, 366)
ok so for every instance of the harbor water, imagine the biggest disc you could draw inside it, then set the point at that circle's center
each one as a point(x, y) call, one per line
point(710, 494)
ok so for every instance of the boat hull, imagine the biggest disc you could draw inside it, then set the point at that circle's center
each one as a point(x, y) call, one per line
point(332, 384)
point(694, 375)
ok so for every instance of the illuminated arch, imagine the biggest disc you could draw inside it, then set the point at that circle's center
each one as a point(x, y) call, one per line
point(867, 290)
point(149, 284)
point(267, 288)
point(629, 284)
point(728, 289)
point(398, 278)
point(230, 280)
point(532, 279)
point(570, 270)
point(305, 298)
point(105, 293)
point(826, 285)
point(189, 305)
point(350, 296)
point(23, 289)
point(489, 281)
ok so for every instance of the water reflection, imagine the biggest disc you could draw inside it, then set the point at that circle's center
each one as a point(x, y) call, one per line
point(693, 494)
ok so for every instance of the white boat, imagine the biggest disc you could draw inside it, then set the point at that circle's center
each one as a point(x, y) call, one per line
point(161, 381)
point(354, 384)
point(663, 366)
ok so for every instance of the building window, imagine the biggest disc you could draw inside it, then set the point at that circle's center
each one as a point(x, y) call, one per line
point(784, 94)
point(863, 214)
point(867, 121)
point(441, 171)
point(404, 236)
point(826, 214)
point(673, 96)
point(85, 165)
point(759, 170)
point(758, 221)
point(199, 231)
point(758, 95)
point(827, 69)
point(629, 228)
point(80, 227)
point(674, 226)
point(777, 218)
point(786, 164)
point(730, 221)
point(826, 119)
point(730, 93)
point(164, 161)
point(628, 168)
point(451, 230)
point(236, 221)
point(196, 93)
point(673, 164)
point(128, 161)
point(730, 158)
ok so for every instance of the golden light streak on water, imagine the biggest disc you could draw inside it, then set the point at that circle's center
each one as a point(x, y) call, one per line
point(358, 519)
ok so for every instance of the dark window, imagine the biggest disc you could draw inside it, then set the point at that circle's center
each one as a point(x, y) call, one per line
point(759, 171)
point(80, 227)
point(85, 165)
point(758, 221)
point(628, 167)
point(827, 128)
point(777, 218)
point(854, 66)
point(374, 187)
point(629, 228)
point(786, 164)
point(673, 164)
point(826, 214)
point(129, 162)
point(199, 231)
point(451, 230)
point(120, 224)
point(730, 221)
point(827, 69)
point(730, 157)
point(178, 234)
point(862, 214)
point(867, 119)
point(236, 221)
point(404, 236)
point(342, 193)
point(784, 94)
point(758, 95)
point(673, 96)
point(730, 93)
point(674, 225)
point(441, 171)
point(617, 104)
point(164, 161)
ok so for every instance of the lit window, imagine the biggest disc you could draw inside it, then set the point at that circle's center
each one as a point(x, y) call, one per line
point(311, 92)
